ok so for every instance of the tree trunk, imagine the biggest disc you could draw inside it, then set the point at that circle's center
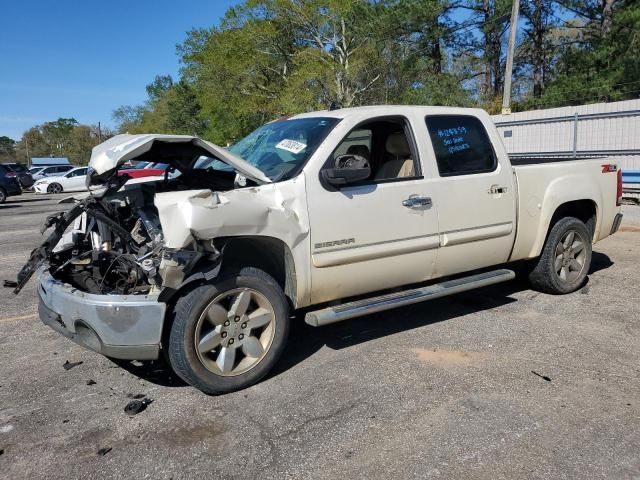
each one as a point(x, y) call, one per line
point(538, 49)
point(607, 16)
point(487, 52)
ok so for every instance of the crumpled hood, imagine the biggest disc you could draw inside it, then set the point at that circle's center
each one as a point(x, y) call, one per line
point(109, 155)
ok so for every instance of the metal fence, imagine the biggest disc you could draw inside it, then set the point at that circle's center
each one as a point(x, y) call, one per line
point(601, 129)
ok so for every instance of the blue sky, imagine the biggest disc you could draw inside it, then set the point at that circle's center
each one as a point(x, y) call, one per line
point(82, 59)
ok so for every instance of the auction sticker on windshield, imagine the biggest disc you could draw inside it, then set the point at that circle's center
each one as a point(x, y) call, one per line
point(291, 146)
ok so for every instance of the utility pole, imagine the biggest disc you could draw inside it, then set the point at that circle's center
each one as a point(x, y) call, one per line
point(513, 29)
point(99, 133)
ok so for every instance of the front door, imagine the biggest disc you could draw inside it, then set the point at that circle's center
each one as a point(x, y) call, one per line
point(379, 234)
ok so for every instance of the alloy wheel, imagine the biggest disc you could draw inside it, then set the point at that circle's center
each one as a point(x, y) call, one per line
point(235, 332)
point(570, 256)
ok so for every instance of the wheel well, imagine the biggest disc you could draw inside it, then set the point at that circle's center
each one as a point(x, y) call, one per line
point(584, 210)
point(268, 254)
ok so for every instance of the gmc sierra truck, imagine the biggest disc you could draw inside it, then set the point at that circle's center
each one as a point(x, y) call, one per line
point(340, 213)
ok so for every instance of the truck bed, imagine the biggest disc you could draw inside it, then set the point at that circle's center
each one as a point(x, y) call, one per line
point(544, 184)
point(520, 161)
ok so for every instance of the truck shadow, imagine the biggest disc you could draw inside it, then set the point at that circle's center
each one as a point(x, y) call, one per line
point(305, 341)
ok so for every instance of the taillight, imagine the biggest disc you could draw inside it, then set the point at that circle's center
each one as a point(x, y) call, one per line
point(619, 190)
point(11, 175)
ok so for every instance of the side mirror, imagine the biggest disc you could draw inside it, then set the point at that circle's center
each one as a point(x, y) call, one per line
point(348, 169)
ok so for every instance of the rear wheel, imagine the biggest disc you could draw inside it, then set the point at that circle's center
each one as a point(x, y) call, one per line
point(565, 260)
point(228, 335)
point(3, 195)
point(54, 188)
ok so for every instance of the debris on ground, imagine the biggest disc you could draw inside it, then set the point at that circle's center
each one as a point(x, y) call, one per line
point(1, 451)
point(136, 396)
point(69, 365)
point(10, 284)
point(104, 451)
point(544, 377)
point(91, 382)
point(134, 407)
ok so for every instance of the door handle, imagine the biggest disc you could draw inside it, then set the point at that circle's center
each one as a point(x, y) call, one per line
point(417, 201)
point(496, 189)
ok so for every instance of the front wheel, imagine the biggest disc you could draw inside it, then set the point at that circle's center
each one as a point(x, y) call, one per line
point(565, 259)
point(227, 335)
point(54, 188)
point(3, 195)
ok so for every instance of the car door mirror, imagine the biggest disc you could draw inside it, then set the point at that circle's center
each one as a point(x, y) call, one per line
point(348, 169)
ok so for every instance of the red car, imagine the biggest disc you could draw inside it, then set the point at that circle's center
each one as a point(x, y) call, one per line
point(145, 170)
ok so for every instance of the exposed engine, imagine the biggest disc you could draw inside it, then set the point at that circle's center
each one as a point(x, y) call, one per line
point(113, 244)
point(113, 251)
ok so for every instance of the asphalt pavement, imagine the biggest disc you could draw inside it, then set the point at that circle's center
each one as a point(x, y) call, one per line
point(502, 382)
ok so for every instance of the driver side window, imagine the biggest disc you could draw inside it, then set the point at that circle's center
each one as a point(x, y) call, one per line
point(386, 146)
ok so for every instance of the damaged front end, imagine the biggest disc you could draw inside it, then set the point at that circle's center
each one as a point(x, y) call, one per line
point(112, 244)
point(112, 261)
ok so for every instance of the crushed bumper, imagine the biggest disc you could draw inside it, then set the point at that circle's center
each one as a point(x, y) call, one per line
point(119, 326)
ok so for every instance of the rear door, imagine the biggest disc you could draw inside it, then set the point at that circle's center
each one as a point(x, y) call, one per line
point(476, 197)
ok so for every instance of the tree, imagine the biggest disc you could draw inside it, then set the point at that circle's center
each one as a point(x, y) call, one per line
point(602, 64)
point(64, 137)
point(272, 58)
point(539, 47)
point(7, 149)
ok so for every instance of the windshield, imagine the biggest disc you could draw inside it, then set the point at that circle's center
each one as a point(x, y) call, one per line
point(280, 149)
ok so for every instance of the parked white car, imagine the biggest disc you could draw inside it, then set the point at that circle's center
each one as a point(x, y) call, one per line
point(52, 171)
point(72, 181)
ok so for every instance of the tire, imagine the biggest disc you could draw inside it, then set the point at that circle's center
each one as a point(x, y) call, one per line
point(3, 195)
point(54, 188)
point(565, 260)
point(218, 317)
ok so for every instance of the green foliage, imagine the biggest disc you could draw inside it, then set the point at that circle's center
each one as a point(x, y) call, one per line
point(63, 137)
point(7, 149)
point(272, 58)
point(602, 65)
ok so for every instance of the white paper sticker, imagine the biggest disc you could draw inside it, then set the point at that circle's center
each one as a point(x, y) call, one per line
point(291, 146)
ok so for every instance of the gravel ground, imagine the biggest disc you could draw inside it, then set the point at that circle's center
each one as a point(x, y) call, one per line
point(444, 389)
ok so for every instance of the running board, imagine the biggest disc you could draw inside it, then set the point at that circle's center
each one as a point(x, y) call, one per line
point(406, 297)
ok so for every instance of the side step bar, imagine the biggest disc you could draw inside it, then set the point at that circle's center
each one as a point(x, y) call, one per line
point(358, 308)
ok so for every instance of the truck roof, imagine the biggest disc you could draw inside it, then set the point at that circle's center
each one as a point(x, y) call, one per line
point(380, 110)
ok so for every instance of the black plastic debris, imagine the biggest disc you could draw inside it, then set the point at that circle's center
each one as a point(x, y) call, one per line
point(1, 451)
point(69, 365)
point(136, 396)
point(134, 407)
point(10, 284)
point(544, 377)
point(91, 382)
point(104, 451)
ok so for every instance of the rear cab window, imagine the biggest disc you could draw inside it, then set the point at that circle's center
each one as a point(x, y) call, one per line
point(461, 145)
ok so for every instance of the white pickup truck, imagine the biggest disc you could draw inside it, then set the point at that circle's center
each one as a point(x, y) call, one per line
point(342, 213)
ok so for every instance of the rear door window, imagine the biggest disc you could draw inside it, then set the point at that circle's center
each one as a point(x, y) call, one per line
point(461, 145)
